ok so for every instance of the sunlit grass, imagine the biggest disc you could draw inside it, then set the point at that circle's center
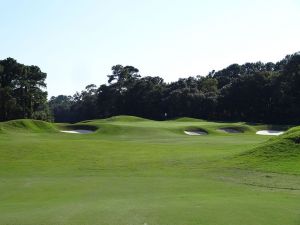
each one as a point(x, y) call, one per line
point(135, 171)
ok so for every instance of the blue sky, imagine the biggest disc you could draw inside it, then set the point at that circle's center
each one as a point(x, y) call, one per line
point(77, 42)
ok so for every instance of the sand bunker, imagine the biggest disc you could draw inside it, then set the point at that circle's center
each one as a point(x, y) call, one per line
point(269, 132)
point(195, 132)
point(77, 131)
point(230, 130)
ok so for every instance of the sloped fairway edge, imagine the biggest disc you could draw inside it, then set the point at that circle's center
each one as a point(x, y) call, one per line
point(26, 125)
point(279, 154)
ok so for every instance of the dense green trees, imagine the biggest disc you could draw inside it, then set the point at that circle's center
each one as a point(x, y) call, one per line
point(22, 92)
point(261, 92)
point(256, 92)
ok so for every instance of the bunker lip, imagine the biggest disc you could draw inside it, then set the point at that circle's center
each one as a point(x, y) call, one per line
point(195, 132)
point(79, 131)
point(270, 132)
point(230, 130)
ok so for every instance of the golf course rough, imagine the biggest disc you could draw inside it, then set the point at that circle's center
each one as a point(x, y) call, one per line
point(134, 171)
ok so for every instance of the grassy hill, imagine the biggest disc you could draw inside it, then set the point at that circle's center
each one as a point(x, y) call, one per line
point(125, 118)
point(188, 119)
point(26, 125)
point(279, 154)
point(136, 171)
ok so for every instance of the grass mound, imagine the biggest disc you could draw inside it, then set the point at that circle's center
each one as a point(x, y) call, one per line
point(293, 135)
point(279, 154)
point(233, 129)
point(188, 119)
point(125, 118)
point(26, 125)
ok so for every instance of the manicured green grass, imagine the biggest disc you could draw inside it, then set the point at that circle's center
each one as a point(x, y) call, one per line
point(280, 154)
point(134, 171)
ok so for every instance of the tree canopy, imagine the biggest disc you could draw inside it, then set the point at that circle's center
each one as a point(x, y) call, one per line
point(255, 92)
point(22, 91)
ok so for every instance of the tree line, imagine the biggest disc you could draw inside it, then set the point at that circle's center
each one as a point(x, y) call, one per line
point(254, 92)
point(257, 92)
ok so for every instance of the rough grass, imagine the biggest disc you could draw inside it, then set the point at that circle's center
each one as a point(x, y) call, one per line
point(279, 154)
point(133, 172)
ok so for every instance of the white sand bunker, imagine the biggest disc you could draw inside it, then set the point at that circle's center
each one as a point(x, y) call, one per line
point(230, 130)
point(270, 132)
point(77, 131)
point(195, 132)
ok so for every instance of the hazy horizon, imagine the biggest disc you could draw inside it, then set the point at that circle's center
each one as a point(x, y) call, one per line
point(77, 42)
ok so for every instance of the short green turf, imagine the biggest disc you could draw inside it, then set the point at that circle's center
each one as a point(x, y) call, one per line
point(133, 171)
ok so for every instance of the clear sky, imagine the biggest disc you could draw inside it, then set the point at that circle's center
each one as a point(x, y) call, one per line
point(76, 42)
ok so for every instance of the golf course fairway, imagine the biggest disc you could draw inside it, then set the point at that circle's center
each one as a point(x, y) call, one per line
point(134, 171)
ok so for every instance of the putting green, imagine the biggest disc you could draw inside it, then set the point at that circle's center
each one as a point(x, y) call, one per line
point(132, 171)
